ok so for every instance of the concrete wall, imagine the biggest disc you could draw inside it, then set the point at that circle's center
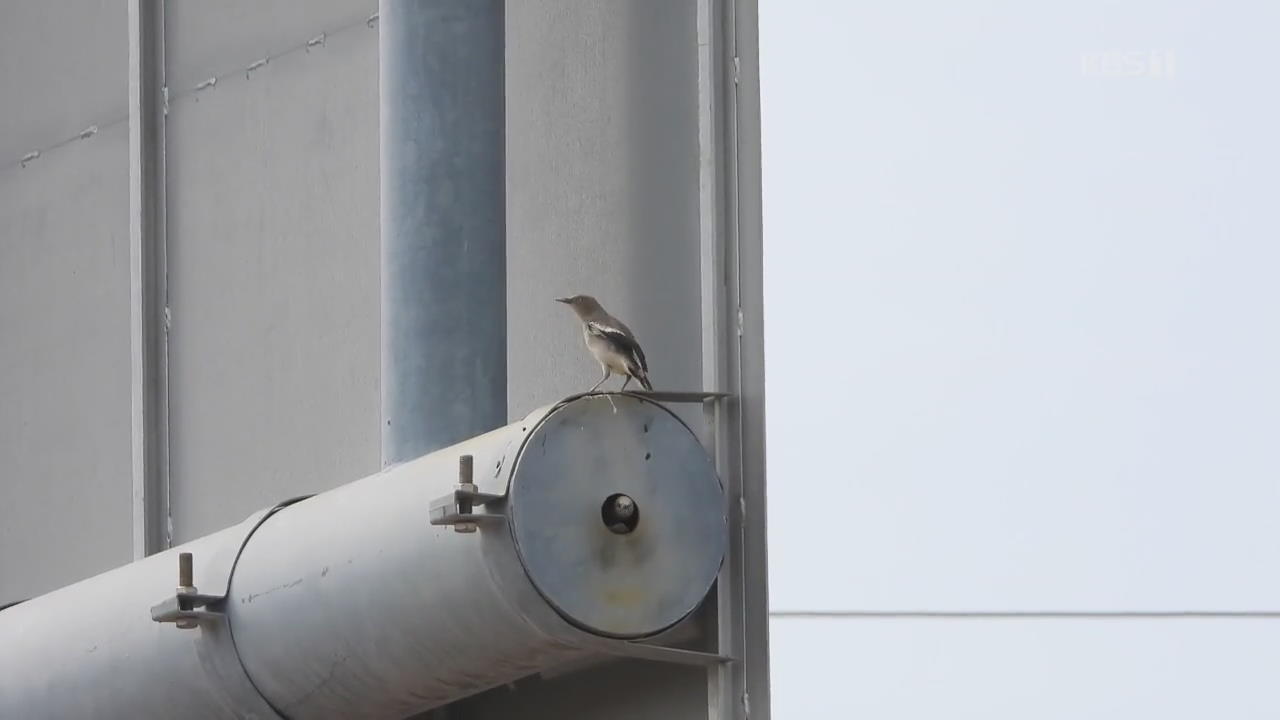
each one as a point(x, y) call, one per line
point(602, 187)
point(64, 295)
point(273, 255)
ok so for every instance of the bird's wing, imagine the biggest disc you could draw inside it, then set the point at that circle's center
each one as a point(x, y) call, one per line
point(621, 338)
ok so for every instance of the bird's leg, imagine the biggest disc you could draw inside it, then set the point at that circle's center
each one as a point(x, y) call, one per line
point(624, 384)
point(606, 377)
point(608, 396)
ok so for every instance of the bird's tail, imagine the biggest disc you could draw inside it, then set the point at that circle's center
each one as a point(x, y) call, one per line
point(643, 379)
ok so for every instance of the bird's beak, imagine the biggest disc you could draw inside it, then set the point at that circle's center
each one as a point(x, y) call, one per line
point(563, 300)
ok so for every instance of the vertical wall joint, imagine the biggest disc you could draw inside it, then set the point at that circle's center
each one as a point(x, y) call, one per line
point(148, 289)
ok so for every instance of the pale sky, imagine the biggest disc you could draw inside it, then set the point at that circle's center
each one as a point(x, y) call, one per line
point(1021, 293)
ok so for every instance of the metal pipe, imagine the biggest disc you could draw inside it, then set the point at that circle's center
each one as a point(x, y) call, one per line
point(363, 601)
point(91, 650)
point(444, 367)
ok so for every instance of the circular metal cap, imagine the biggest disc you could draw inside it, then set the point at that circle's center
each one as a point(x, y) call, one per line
point(609, 566)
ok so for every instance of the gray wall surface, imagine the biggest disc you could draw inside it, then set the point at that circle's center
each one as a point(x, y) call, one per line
point(55, 83)
point(64, 296)
point(602, 188)
point(273, 261)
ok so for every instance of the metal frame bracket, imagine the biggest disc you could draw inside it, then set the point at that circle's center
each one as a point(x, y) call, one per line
point(671, 396)
point(668, 654)
point(456, 508)
point(181, 609)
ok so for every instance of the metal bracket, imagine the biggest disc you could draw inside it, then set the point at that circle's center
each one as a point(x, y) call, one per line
point(671, 396)
point(456, 508)
point(183, 607)
point(680, 656)
point(181, 610)
point(683, 396)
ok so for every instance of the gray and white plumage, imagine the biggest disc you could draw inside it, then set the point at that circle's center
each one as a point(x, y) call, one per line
point(611, 342)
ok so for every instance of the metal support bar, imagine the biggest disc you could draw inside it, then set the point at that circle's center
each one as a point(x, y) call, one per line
point(148, 288)
point(733, 342)
point(444, 331)
point(679, 656)
point(725, 681)
point(747, 286)
point(682, 396)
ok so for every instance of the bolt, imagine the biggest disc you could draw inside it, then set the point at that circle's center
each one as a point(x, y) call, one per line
point(186, 586)
point(465, 463)
point(466, 483)
point(185, 580)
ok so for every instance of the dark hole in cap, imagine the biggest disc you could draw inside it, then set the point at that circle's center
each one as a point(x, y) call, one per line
point(620, 513)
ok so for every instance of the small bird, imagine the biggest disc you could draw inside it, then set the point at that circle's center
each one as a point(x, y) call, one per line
point(620, 515)
point(611, 343)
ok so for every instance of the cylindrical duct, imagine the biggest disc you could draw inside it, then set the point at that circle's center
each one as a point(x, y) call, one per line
point(605, 521)
point(443, 180)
